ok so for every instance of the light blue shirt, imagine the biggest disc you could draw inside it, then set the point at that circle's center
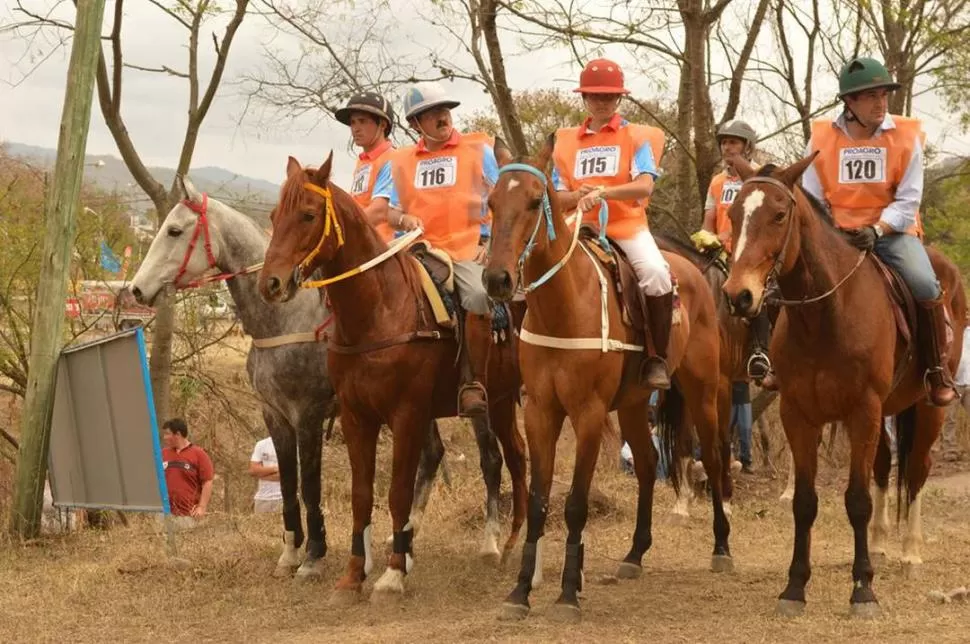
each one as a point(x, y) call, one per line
point(901, 213)
point(383, 185)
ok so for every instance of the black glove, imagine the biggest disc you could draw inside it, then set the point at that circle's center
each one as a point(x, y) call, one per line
point(862, 238)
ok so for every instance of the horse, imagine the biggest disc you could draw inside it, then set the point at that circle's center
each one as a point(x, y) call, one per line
point(286, 363)
point(389, 361)
point(574, 360)
point(840, 354)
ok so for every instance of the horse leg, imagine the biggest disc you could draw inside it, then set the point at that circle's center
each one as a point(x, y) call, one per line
point(502, 415)
point(431, 456)
point(683, 490)
point(636, 432)
point(863, 427)
point(789, 493)
point(490, 460)
point(803, 440)
point(914, 440)
point(311, 443)
point(724, 407)
point(410, 429)
point(360, 435)
point(542, 428)
point(879, 530)
point(284, 440)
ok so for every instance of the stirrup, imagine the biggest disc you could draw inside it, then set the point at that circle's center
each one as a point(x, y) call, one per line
point(478, 408)
point(759, 366)
point(647, 365)
point(946, 385)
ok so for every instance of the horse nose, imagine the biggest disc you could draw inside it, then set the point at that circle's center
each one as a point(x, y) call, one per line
point(138, 295)
point(498, 283)
point(743, 303)
point(274, 285)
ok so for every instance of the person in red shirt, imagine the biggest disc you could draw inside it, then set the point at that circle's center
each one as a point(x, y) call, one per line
point(188, 471)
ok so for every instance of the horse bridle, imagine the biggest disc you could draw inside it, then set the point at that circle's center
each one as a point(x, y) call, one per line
point(771, 279)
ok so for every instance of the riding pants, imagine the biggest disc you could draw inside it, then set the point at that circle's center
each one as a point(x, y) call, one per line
point(650, 266)
point(906, 254)
point(471, 290)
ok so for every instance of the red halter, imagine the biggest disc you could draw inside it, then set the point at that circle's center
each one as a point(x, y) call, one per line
point(201, 226)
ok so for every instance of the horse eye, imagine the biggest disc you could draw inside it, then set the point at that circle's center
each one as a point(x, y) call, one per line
point(174, 232)
point(309, 217)
point(535, 203)
point(780, 217)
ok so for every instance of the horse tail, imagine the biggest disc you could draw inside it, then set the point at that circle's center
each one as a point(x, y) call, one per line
point(905, 438)
point(671, 421)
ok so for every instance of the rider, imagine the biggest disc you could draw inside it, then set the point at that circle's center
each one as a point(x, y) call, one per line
point(442, 183)
point(608, 158)
point(869, 170)
point(371, 120)
point(737, 139)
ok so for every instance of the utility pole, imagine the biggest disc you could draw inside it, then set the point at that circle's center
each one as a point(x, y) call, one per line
point(60, 215)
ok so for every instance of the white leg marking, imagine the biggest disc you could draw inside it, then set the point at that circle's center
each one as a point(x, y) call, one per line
point(751, 203)
point(726, 506)
point(290, 558)
point(368, 556)
point(880, 521)
point(682, 504)
point(537, 575)
point(789, 493)
point(913, 539)
point(490, 544)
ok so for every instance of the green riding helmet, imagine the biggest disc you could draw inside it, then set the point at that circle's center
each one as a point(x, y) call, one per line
point(738, 130)
point(861, 74)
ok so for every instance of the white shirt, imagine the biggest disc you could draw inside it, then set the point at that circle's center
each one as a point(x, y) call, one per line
point(265, 454)
point(901, 213)
point(963, 369)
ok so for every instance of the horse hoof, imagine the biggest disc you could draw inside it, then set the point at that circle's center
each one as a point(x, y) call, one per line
point(342, 597)
point(390, 585)
point(284, 571)
point(786, 497)
point(679, 519)
point(912, 569)
point(513, 612)
point(722, 563)
point(628, 570)
point(310, 571)
point(491, 558)
point(865, 610)
point(562, 613)
point(790, 608)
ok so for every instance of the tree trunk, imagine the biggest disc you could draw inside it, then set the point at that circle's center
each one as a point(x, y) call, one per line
point(501, 94)
point(160, 363)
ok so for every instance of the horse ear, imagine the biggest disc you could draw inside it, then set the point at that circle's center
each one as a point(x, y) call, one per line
point(322, 176)
point(503, 154)
point(791, 174)
point(544, 156)
point(292, 167)
point(743, 167)
point(188, 189)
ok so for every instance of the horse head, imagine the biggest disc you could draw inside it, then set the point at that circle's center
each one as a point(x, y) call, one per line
point(306, 230)
point(522, 199)
point(183, 249)
point(766, 233)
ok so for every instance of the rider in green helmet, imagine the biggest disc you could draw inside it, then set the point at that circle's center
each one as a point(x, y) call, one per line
point(869, 171)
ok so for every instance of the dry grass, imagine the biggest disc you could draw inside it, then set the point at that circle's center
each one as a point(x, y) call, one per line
point(118, 586)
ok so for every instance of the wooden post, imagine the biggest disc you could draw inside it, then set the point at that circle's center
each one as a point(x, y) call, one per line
point(60, 222)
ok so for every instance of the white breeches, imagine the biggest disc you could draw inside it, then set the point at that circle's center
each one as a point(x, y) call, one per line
point(650, 266)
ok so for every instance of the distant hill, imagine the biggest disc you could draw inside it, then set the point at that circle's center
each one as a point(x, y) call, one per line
point(254, 197)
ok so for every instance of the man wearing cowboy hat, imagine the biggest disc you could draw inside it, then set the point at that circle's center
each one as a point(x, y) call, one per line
point(371, 120)
point(442, 184)
point(609, 159)
point(869, 170)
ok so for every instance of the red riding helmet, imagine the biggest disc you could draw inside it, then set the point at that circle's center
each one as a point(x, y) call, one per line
point(601, 76)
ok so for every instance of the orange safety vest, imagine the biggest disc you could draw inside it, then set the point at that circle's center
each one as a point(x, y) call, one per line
point(362, 187)
point(604, 159)
point(724, 188)
point(859, 177)
point(446, 190)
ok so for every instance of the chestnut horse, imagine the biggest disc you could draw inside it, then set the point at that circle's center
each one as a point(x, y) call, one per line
point(388, 360)
point(839, 356)
point(573, 361)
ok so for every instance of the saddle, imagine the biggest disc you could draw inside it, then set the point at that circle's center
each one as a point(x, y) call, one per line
point(437, 273)
point(632, 305)
point(904, 309)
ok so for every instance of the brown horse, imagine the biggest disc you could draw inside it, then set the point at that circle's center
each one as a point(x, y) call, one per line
point(567, 372)
point(388, 360)
point(839, 355)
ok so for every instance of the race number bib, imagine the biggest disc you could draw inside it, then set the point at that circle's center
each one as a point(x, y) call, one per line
point(438, 172)
point(599, 161)
point(359, 186)
point(729, 192)
point(862, 165)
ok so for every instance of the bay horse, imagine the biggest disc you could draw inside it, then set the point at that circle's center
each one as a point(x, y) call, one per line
point(840, 355)
point(286, 363)
point(573, 361)
point(389, 362)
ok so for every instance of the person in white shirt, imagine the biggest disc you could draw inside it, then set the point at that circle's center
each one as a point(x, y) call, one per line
point(265, 468)
point(948, 439)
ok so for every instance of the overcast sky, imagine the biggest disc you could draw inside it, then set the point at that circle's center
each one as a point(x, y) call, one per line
point(154, 105)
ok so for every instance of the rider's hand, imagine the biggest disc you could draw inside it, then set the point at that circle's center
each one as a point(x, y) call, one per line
point(408, 223)
point(862, 238)
point(586, 189)
point(590, 200)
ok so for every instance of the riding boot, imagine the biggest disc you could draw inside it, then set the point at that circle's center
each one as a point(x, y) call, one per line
point(759, 366)
point(934, 346)
point(472, 363)
point(653, 369)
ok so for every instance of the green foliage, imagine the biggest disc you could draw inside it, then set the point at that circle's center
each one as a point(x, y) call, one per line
point(946, 222)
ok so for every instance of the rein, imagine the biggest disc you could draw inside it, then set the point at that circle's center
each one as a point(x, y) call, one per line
point(202, 228)
point(771, 280)
point(332, 224)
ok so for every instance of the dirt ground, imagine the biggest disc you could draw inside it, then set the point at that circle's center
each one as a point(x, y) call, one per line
point(117, 585)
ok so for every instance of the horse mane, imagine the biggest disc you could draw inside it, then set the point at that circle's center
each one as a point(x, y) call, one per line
point(817, 206)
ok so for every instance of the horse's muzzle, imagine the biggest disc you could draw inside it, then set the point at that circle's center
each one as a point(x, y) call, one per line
point(274, 289)
point(499, 284)
point(742, 304)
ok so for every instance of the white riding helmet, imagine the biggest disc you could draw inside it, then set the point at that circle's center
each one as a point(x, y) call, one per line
point(421, 97)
